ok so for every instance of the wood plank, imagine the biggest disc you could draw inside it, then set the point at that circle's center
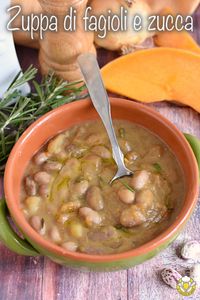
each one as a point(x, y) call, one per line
point(148, 282)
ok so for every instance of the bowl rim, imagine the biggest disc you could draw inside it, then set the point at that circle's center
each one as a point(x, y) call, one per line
point(144, 249)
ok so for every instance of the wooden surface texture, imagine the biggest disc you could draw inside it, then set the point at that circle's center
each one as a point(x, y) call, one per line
point(26, 278)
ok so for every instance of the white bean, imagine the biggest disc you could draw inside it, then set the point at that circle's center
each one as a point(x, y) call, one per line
point(70, 246)
point(94, 198)
point(132, 217)
point(71, 168)
point(91, 217)
point(84, 211)
point(44, 191)
point(56, 145)
point(30, 186)
point(102, 151)
point(55, 235)
point(126, 196)
point(41, 157)
point(94, 139)
point(80, 188)
point(195, 274)
point(52, 166)
point(36, 222)
point(140, 179)
point(42, 178)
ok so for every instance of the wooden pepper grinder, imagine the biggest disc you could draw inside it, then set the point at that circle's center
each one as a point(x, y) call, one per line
point(59, 50)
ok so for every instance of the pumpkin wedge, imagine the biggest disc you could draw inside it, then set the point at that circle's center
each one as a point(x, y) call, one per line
point(155, 75)
point(175, 39)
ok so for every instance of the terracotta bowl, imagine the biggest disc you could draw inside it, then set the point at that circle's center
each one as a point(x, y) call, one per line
point(60, 119)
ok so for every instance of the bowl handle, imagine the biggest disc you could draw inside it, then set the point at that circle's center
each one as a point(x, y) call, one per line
point(8, 236)
point(195, 145)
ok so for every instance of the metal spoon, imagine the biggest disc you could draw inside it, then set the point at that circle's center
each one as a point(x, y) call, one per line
point(91, 73)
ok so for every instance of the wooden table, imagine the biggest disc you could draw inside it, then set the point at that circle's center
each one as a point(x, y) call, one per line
point(26, 278)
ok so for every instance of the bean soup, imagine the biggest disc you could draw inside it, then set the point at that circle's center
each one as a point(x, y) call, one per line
point(67, 197)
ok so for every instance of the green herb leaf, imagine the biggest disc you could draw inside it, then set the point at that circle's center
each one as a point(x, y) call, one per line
point(122, 228)
point(127, 186)
point(157, 167)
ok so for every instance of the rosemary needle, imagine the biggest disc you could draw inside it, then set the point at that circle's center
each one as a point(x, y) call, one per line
point(48, 94)
point(127, 186)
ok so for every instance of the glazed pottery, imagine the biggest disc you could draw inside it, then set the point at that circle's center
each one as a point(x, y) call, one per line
point(60, 119)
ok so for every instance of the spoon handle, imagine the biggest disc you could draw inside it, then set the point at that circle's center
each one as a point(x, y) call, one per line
point(91, 73)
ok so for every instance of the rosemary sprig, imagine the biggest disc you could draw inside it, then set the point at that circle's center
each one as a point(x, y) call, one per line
point(12, 91)
point(50, 93)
